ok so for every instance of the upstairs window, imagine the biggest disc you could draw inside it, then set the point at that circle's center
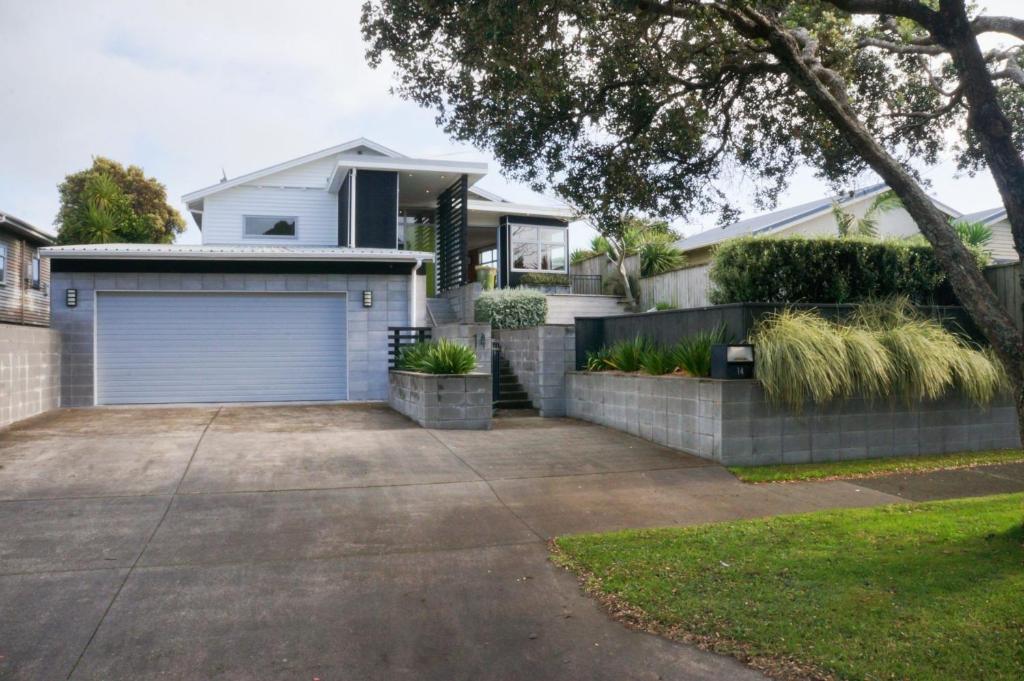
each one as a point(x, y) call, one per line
point(272, 226)
point(539, 248)
point(3, 265)
point(36, 272)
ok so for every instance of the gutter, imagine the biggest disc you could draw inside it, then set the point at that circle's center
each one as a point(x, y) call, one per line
point(71, 253)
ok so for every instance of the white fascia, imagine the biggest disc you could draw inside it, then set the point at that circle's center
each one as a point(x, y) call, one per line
point(474, 171)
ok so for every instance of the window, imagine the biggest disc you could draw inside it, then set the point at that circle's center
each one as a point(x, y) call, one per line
point(538, 248)
point(3, 265)
point(489, 257)
point(270, 226)
point(35, 272)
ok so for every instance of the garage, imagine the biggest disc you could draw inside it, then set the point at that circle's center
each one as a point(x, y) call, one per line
point(179, 347)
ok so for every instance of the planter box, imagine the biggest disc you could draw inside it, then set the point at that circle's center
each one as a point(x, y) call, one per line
point(442, 401)
point(731, 421)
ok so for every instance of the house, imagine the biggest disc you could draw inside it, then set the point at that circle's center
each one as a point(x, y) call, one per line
point(807, 219)
point(1001, 245)
point(303, 268)
point(24, 273)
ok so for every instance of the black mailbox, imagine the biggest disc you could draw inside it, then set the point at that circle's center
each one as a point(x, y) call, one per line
point(732, 361)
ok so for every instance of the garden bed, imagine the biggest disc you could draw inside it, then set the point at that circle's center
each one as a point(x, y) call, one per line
point(442, 401)
point(733, 423)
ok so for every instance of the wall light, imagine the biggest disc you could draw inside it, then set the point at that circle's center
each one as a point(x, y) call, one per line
point(367, 298)
point(71, 297)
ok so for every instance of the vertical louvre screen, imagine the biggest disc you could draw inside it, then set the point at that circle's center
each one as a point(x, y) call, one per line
point(452, 252)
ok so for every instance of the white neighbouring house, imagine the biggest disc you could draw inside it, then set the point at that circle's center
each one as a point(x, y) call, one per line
point(303, 268)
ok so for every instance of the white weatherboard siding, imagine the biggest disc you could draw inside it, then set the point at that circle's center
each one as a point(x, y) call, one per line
point(316, 210)
point(891, 224)
point(312, 174)
point(1001, 245)
point(220, 347)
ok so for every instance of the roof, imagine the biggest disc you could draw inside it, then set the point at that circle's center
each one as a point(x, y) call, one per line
point(25, 230)
point(263, 253)
point(786, 217)
point(986, 217)
point(285, 165)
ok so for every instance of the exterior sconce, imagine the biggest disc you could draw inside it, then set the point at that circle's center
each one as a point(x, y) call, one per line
point(71, 297)
point(367, 298)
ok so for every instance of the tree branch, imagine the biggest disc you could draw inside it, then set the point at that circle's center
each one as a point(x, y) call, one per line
point(908, 9)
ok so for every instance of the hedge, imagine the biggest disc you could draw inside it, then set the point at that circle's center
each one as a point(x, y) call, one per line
point(512, 308)
point(826, 270)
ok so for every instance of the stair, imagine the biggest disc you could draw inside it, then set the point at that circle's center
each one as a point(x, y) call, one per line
point(440, 311)
point(511, 394)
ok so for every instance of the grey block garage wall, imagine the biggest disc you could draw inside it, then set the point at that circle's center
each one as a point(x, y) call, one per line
point(367, 327)
point(540, 356)
point(29, 371)
point(731, 422)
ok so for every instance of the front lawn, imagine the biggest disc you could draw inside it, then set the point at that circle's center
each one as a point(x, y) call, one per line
point(867, 468)
point(925, 591)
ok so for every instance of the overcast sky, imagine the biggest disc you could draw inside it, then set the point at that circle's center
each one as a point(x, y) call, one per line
point(187, 88)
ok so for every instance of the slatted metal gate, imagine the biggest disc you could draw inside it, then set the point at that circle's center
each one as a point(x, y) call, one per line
point(452, 250)
point(400, 336)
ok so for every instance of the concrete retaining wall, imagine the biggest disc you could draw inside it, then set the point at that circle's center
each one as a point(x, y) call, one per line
point(463, 301)
point(731, 422)
point(476, 336)
point(444, 402)
point(540, 357)
point(29, 371)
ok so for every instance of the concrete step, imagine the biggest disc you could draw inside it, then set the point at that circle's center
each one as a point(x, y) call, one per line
point(513, 396)
point(440, 311)
point(513, 404)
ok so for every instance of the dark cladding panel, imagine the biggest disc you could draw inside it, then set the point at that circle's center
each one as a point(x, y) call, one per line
point(344, 209)
point(451, 254)
point(376, 209)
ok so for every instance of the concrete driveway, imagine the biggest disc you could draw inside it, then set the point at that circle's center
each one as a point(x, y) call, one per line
point(335, 542)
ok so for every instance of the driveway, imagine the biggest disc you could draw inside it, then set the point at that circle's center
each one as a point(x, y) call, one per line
point(336, 542)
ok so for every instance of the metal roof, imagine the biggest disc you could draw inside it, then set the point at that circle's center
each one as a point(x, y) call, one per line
point(986, 217)
point(25, 229)
point(276, 253)
point(786, 217)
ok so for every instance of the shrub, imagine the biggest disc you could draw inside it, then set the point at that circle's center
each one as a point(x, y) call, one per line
point(597, 360)
point(884, 348)
point(827, 270)
point(692, 355)
point(512, 308)
point(662, 306)
point(545, 279)
point(437, 357)
point(657, 361)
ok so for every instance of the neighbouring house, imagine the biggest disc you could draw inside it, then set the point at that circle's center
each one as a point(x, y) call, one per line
point(303, 268)
point(24, 273)
point(807, 219)
point(1001, 245)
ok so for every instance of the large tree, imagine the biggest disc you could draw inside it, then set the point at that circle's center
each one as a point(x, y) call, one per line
point(650, 104)
point(110, 203)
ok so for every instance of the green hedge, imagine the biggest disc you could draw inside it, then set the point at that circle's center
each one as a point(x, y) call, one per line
point(545, 279)
point(512, 308)
point(826, 270)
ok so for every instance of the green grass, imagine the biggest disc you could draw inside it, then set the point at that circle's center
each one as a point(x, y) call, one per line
point(867, 468)
point(924, 591)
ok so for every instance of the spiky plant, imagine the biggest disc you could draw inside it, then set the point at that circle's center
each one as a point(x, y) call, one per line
point(872, 371)
point(627, 355)
point(597, 360)
point(692, 355)
point(657, 361)
point(442, 356)
point(658, 257)
point(973, 233)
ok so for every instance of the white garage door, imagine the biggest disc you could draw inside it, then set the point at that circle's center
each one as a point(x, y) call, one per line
point(220, 347)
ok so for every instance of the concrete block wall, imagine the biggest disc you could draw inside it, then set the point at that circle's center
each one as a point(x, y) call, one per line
point(564, 308)
point(476, 336)
point(445, 402)
point(29, 371)
point(540, 356)
point(463, 301)
point(731, 421)
point(367, 327)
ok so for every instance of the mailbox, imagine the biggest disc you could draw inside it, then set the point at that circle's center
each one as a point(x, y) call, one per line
point(732, 361)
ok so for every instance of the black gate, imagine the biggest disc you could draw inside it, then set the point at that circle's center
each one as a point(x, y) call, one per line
point(399, 336)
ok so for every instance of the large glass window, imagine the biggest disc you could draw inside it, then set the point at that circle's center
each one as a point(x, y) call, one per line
point(539, 248)
point(269, 225)
point(3, 264)
point(35, 272)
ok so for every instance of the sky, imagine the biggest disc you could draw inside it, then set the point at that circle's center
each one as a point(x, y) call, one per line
point(189, 89)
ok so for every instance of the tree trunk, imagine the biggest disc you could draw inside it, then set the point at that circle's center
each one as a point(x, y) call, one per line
point(965, 276)
point(626, 286)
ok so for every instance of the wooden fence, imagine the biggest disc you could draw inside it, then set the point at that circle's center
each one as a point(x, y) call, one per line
point(1005, 281)
point(686, 288)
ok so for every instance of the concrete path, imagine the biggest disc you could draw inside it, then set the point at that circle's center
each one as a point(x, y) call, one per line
point(337, 542)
